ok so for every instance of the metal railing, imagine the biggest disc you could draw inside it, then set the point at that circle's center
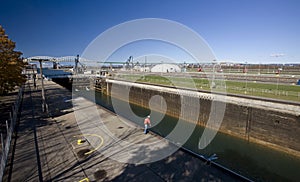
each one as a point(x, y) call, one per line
point(10, 127)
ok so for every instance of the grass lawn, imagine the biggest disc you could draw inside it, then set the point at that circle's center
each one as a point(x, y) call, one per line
point(284, 92)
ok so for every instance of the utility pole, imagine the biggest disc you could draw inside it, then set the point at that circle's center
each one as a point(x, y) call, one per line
point(246, 77)
point(213, 83)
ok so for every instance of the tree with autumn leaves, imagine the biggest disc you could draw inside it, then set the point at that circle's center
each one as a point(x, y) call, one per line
point(11, 65)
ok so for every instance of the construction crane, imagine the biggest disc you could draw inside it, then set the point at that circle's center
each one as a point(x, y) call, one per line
point(129, 63)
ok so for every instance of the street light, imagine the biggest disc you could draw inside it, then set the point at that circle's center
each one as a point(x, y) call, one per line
point(213, 84)
point(246, 77)
point(44, 104)
point(278, 75)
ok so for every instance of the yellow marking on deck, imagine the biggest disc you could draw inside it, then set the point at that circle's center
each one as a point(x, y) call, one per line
point(95, 135)
point(79, 142)
point(85, 180)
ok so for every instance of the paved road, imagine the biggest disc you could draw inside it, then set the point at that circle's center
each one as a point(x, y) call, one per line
point(47, 146)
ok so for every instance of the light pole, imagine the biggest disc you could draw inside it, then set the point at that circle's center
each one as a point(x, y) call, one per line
point(246, 77)
point(44, 104)
point(144, 70)
point(278, 75)
point(277, 83)
point(213, 84)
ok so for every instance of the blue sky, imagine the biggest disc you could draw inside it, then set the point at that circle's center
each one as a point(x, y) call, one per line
point(236, 30)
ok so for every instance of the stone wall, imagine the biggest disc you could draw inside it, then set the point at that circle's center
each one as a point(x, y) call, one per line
point(275, 127)
point(272, 124)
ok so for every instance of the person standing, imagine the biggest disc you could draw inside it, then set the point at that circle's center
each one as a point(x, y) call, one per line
point(147, 123)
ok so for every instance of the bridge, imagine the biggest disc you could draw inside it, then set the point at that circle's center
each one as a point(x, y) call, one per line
point(129, 63)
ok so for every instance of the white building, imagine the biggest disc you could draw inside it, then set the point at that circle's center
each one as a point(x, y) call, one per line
point(166, 68)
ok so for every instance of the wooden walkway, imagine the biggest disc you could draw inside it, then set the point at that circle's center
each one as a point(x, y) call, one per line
point(63, 145)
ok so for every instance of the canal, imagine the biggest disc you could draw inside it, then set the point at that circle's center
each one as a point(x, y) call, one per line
point(252, 160)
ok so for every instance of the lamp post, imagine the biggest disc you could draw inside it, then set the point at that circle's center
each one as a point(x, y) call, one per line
point(246, 77)
point(213, 84)
point(277, 83)
point(144, 70)
point(44, 104)
point(278, 75)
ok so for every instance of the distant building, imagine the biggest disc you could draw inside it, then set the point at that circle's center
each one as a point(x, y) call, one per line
point(145, 69)
point(165, 68)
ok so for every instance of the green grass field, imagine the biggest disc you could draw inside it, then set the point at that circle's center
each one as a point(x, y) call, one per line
point(283, 92)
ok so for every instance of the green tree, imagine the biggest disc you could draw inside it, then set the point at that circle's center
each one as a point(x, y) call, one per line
point(11, 64)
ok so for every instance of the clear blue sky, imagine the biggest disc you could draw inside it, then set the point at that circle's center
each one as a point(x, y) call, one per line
point(238, 30)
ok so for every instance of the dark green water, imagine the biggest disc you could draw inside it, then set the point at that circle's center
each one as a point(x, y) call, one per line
point(254, 161)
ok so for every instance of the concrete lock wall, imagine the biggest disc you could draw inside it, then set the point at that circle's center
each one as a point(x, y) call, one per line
point(271, 124)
